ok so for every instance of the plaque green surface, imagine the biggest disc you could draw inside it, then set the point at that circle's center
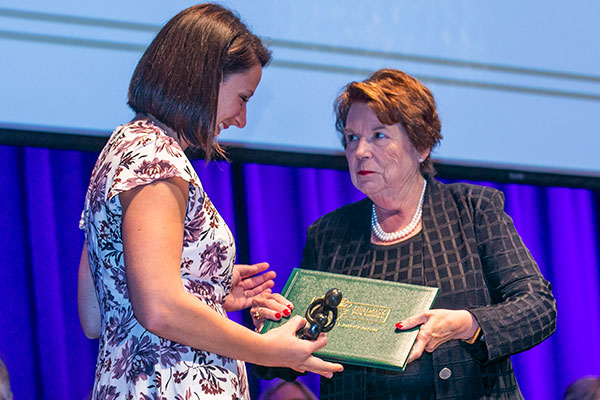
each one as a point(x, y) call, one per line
point(365, 332)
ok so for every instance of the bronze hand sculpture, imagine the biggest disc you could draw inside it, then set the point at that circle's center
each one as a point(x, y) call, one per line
point(321, 316)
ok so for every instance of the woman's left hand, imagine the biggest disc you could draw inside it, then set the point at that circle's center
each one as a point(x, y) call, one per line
point(247, 284)
point(438, 327)
point(271, 306)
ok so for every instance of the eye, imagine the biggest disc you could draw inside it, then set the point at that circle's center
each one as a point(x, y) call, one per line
point(351, 137)
point(379, 135)
point(244, 98)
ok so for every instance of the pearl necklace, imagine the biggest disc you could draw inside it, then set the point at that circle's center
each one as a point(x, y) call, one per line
point(408, 229)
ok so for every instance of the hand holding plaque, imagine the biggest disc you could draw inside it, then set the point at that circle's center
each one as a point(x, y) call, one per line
point(321, 315)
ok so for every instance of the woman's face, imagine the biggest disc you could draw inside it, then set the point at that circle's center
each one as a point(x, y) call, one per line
point(234, 93)
point(380, 157)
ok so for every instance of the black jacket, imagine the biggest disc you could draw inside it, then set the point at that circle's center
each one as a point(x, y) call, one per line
point(472, 252)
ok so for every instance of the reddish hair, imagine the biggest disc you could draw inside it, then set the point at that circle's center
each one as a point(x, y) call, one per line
point(396, 98)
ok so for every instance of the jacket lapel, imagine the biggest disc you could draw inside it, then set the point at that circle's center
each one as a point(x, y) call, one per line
point(449, 247)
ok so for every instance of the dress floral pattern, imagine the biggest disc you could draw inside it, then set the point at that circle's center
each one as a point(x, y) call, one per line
point(132, 362)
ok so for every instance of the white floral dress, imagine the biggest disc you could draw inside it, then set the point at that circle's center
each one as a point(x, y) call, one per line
point(132, 362)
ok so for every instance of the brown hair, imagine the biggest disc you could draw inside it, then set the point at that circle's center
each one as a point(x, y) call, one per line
point(5, 392)
point(395, 97)
point(586, 388)
point(177, 79)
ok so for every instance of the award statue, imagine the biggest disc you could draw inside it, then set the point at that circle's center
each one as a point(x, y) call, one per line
point(320, 316)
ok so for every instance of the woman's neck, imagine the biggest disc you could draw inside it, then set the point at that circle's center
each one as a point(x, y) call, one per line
point(394, 214)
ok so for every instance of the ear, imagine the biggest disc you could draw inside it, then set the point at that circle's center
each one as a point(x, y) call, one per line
point(423, 155)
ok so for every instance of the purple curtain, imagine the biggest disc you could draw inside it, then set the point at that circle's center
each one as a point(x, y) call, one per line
point(268, 208)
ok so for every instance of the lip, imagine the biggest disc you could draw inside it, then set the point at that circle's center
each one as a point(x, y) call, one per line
point(365, 172)
point(220, 127)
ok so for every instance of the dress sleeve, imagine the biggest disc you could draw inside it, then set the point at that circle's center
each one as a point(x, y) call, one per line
point(147, 158)
point(523, 310)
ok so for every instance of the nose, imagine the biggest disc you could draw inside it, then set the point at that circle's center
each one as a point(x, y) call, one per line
point(240, 119)
point(363, 149)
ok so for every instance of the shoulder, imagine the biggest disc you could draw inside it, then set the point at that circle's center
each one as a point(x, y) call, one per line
point(144, 137)
point(142, 153)
point(469, 195)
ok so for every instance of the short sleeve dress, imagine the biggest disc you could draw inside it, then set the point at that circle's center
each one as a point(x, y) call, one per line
point(132, 362)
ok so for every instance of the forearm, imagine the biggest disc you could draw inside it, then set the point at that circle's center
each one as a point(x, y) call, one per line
point(518, 323)
point(189, 321)
point(87, 302)
point(185, 319)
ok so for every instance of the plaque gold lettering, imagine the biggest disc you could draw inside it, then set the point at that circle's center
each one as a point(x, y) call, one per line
point(363, 312)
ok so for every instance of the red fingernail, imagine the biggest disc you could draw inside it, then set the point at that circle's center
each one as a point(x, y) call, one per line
point(291, 307)
point(278, 315)
point(286, 312)
point(399, 325)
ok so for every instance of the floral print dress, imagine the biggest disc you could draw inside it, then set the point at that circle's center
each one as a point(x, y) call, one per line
point(132, 362)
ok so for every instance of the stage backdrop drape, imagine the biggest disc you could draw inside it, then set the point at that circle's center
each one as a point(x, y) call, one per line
point(268, 208)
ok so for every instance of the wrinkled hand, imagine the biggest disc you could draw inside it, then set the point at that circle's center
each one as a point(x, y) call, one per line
point(247, 284)
point(285, 349)
point(269, 305)
point(438, 327)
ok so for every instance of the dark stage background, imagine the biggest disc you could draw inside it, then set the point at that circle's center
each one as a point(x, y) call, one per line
point(268, 208)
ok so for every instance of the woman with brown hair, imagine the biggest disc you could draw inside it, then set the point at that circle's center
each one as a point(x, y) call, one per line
point(157, 272)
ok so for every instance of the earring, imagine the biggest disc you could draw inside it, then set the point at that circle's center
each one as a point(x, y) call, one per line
point(421, 159)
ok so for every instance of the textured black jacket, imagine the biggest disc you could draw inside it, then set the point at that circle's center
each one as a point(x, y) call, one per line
point(472, 252)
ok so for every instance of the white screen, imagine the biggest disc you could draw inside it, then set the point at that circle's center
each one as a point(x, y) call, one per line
point(517, 83)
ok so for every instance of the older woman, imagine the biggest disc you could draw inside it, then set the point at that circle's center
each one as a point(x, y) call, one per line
point(493, 300)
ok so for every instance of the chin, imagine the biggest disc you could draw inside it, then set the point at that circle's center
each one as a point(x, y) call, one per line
point(366, 188)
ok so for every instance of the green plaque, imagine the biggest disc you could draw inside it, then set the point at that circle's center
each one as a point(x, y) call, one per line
point(365, 332)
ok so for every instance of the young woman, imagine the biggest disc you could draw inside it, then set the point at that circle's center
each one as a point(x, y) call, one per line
point(157, 275)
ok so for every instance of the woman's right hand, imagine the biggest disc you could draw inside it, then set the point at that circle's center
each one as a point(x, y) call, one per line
point(438, 326)
point(283, 348)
